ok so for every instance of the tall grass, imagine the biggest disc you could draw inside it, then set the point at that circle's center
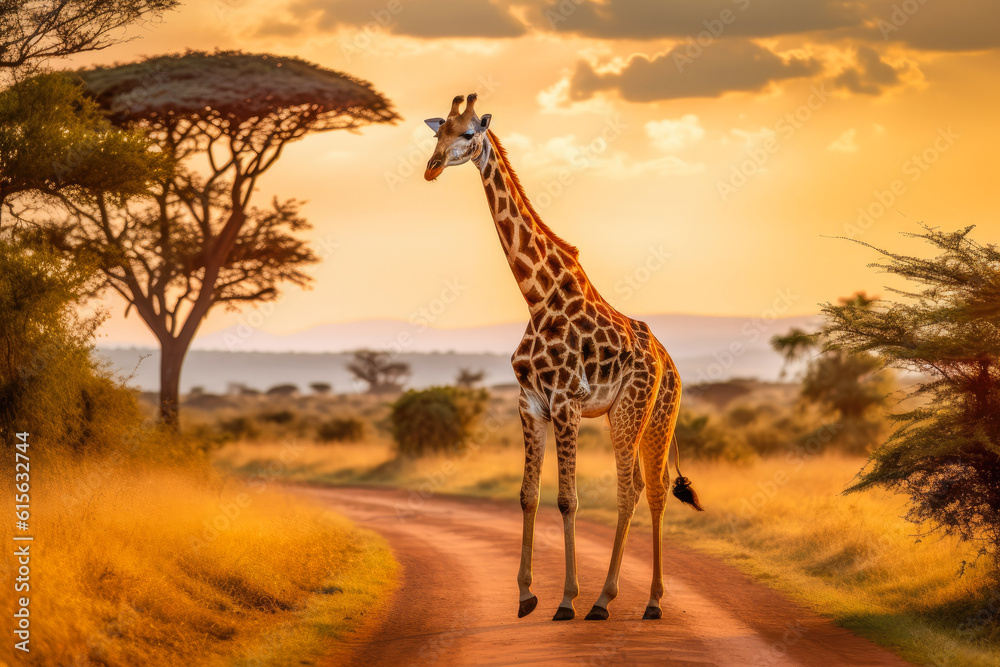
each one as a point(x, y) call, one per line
point(136, 564)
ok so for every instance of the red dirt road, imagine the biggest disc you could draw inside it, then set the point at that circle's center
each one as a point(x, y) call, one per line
point(457, 603)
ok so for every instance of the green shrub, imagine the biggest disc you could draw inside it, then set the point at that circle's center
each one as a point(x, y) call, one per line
point(346, 429)
point(438, 419)
point(50, 385)
point(279, 417)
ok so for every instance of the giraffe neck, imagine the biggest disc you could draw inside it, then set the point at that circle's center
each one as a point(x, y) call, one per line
point(545, 267)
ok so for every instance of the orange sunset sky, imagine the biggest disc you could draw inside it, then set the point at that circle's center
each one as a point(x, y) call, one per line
point(719, 142)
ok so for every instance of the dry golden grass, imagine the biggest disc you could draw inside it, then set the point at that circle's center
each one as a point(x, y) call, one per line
point(136, 565)
point(852, 558)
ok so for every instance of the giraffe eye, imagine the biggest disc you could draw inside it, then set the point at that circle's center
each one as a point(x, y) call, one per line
point(469, 135)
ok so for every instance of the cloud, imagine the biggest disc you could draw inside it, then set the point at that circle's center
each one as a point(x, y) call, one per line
point(845, 143)
point(556, 99)
point(727, 66)
point(673, 135)
point(957, 25)
point(753, 138)
point(871, 75)
point(426, 19)
point(642, 19)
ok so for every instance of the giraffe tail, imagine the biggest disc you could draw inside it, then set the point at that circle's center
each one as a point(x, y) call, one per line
point(682, 485)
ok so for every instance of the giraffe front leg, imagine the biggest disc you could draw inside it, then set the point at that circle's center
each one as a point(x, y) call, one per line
point(566, 420)
point(534, 451)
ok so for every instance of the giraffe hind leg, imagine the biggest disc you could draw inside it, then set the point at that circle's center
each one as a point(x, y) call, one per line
point(629, 418)
point(654, 449)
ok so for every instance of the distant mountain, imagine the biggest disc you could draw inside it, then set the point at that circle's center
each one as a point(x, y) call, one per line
point(704, 348)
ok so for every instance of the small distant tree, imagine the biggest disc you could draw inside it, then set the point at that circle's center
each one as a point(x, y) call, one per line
point(283, 390)
point(847, 382)
point(379, 371)
point(945, 452)
point(321, 388)
point(435, 420)
point(469, 379)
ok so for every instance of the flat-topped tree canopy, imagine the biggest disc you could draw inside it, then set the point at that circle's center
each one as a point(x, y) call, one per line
point(248, 96)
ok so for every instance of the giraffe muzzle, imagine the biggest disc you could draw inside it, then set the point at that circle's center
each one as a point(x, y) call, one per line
point(434, 168)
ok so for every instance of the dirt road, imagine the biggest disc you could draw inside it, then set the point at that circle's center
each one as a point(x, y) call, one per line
point(457, 604)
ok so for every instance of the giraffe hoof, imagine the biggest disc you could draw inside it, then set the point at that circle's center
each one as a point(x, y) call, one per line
point(597, 614)
point(525, 607)
point(564, 614)
point(652, 613)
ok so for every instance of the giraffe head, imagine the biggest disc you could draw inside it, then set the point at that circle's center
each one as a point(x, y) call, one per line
point(460, 137)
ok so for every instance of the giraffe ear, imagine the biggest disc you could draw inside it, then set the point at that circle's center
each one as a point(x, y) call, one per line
point(485, 120)
point(435, 123)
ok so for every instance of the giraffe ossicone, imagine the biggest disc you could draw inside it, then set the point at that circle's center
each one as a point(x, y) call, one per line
point(579, 358)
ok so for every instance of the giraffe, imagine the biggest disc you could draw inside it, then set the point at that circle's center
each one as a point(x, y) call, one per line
point(579, 357)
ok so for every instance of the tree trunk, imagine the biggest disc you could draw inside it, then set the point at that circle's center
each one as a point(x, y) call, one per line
point(171, 361)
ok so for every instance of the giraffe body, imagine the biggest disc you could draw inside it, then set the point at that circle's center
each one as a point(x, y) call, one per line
point(579, 358)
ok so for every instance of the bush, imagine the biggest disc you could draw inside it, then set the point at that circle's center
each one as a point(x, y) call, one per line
point(439, 419)
point(50, 386)
point(698, 437)
point(341, 430)
point(279, 417)
point(238, 428)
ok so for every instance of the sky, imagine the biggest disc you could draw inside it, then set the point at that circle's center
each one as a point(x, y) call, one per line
point(704, 155)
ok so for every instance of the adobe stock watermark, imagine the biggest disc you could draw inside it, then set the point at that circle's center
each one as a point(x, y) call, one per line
point(580, 161)
point(901, 14)
point(367, 33)
point(632, 282)
point(413, 161)
point(251, 322)
point(913, 168)
point(758, 156)
point(695, 45)
point(768, 488)
point(256, 483)
point(492, 421)
point(420, 320)
point(777, 652)
point(752, 331)
point(224, 9)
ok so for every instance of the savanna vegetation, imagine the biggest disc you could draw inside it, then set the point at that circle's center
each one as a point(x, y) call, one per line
point(144, 554)
point(166, 537)
point(864, 488)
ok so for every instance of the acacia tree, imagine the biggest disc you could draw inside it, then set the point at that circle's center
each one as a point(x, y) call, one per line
point(54, 138)
point(36, 30)
point(845, 381)
point(379, 371)
point(51, 137)
point(468, 378)
point(945, 451)
point(224, 118)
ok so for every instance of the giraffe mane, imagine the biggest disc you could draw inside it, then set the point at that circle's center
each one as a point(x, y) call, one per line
point(502, 155)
